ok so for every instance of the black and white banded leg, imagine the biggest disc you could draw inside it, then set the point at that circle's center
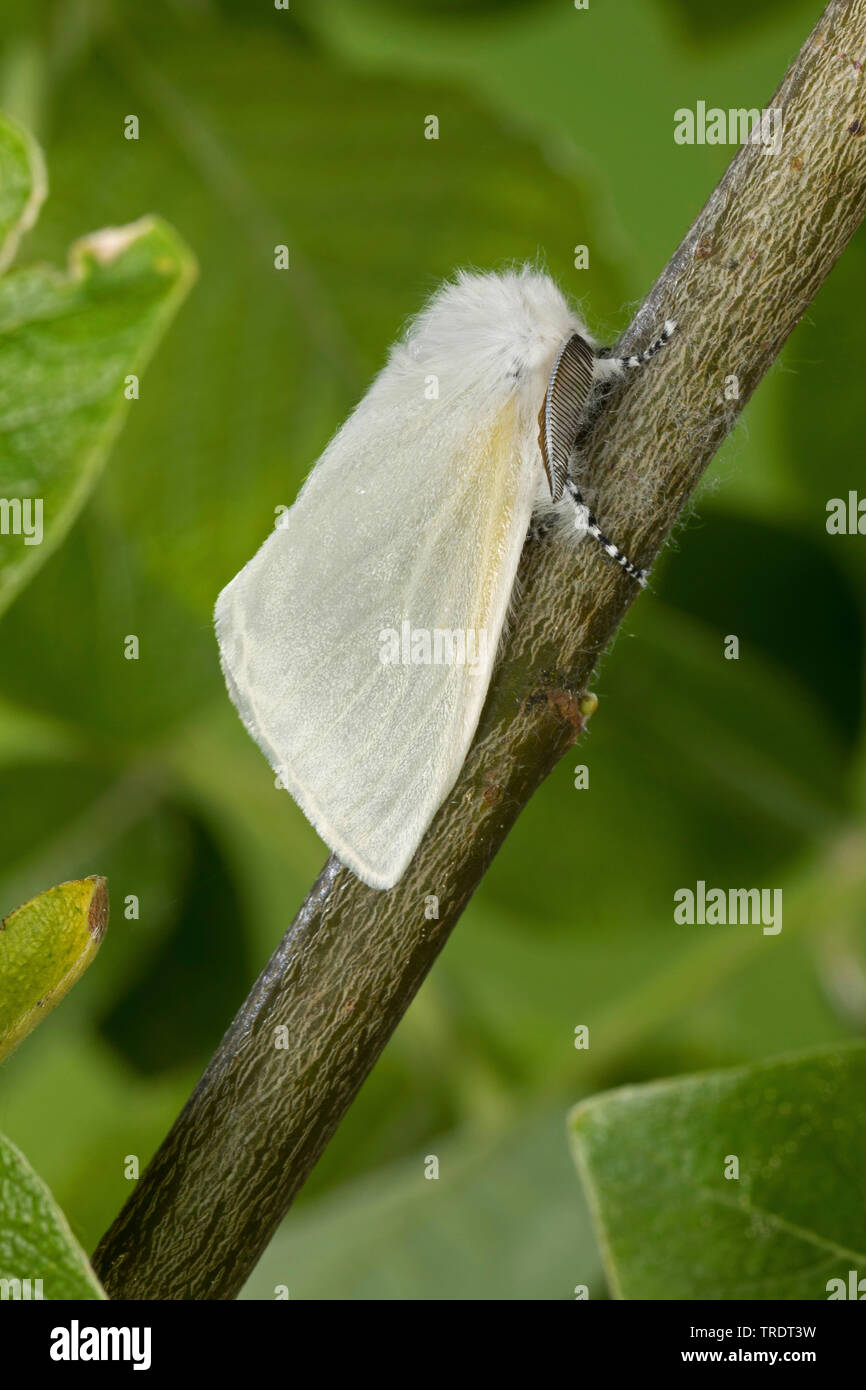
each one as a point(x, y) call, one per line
point(573, 396)
point(585, 521)
point(640, 359)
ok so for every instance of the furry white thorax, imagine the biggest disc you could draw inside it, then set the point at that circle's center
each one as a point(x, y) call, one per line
point(493, 326)
point(481, 330)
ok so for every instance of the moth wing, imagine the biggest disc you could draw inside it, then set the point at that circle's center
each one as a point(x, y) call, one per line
point(411, 516)
point(563, 406)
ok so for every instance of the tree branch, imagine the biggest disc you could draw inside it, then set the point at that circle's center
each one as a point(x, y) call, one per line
point(353, 960)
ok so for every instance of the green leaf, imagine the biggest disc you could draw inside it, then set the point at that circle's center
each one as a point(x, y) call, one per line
point(673, 1226)
point(22, 186)
point(45, 946)
point(68, 345)
point(36, 1243)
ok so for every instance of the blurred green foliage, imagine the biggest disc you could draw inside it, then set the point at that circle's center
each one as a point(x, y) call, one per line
point(305, 127)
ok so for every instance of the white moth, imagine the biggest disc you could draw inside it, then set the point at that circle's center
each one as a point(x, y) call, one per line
point(359, 642)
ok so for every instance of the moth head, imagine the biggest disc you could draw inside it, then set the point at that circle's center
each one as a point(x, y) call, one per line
point(563, 408)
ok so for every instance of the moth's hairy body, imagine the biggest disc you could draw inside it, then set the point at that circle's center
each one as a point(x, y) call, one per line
point(415, 514)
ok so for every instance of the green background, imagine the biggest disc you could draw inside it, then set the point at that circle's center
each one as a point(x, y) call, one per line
point(260, 127)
